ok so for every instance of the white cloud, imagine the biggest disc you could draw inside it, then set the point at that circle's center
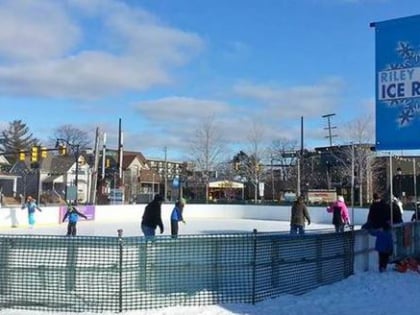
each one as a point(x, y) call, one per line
point(177, 119)
point(295, 101)
point(52, 58)
point(34, 30)
point(181, 109)
point(87, 75)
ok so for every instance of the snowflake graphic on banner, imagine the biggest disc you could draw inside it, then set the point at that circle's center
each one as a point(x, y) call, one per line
point(409, 107)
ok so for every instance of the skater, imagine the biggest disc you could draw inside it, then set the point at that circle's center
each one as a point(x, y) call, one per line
point(298, 216)
point(73, 214)
point(416, 214)
point(384, 245)
point(177, 216)
point(379, 213)
point(340, 214)
point(397, 211)
point(152, 217)
point(31, 206)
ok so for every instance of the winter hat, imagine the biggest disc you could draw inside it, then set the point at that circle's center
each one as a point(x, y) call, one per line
point(340, 198)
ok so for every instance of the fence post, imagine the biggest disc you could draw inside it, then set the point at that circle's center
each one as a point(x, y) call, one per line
point(71, 263)
point(120, 243)
point(5, 245)
point(254, 264)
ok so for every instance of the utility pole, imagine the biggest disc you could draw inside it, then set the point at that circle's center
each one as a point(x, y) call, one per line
point(329, 127)
point(165, 174)
point(94, 178)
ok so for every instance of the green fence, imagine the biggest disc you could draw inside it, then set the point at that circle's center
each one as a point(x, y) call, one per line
point(97, 274)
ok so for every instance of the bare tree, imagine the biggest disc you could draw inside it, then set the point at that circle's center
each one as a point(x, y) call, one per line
point(283, 158)
point(256, 152)
point(71, 135)
point(207, 148)
point(358, 157)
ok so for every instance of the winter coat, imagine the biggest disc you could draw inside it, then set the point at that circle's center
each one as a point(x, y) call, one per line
point(152, 215)
point(299, 213)
point(378, 214)
point(31, 206)
point(73, 215)
point(396, 213)
point(176, 214)
point(340, 213)
point(384, 242)
point(413, 217)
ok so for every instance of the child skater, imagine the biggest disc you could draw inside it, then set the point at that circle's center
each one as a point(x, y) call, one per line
point(73, 214)
point(384, 245)
point(31, 206)
point(176, 216)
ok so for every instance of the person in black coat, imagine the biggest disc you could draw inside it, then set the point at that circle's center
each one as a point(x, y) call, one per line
point(416, 214)
point(152, 217)
point(379, 213)
point(397, 211)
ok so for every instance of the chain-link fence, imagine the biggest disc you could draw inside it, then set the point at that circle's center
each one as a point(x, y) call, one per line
point(118, 274)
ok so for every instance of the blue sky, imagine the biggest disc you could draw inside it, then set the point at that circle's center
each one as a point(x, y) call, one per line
point(166, 66)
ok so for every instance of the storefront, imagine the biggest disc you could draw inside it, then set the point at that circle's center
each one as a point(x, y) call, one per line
point(226, 190)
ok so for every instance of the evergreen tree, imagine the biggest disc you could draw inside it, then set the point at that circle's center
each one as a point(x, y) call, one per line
point(17, 137)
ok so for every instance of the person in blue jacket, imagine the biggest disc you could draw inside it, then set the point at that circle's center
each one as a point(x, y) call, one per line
point(384, 245)
point(31, 206)
point(176, 216)
point(73, 216)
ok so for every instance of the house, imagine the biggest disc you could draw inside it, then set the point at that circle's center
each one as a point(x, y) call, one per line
point(139, 182)
point(58, 174)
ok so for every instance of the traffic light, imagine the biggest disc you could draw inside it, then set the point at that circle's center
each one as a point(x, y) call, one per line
point(22, 155)
point(107, 162)
point(34, 154)
point(44, 152)
point(62, 150)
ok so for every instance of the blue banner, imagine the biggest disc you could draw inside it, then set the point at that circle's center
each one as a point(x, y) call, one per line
point(398, 84)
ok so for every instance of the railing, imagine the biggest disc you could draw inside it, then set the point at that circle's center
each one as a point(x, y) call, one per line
point(97, 274)
point(118, 274)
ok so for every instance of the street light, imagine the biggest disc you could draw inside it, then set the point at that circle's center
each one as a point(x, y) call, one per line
point(75, 149)
point(399, 173)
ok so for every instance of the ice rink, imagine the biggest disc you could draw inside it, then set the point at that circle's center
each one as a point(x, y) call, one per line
point(192, 226)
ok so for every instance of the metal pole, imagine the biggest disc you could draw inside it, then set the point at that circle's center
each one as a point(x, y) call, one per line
point(254, 265)
point(352, 183)
point(103, 156)
point(272, 181)
point(165, 175)
point(75, 148)
point(415, 186)
point(298, 177)
point(120, 241)
point(76, 179)
point(153, 184)
point(390, 186)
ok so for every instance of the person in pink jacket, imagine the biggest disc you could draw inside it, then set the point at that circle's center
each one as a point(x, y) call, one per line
point(340, 214)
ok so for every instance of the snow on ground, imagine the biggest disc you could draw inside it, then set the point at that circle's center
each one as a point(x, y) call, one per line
point(369, 293)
